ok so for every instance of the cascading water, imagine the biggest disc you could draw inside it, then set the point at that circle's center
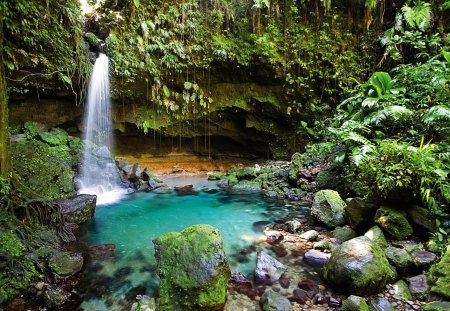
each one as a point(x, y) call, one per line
point(98, 173)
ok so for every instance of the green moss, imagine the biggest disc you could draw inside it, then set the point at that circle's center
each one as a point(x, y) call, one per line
point(232, 179)
point(440, 274)
point(23, 271)
point(192, 268)
point(436, 306)
point(355, 303)
point(393, 222)
point(328, 207)
point(377, 236)
point(54, 137)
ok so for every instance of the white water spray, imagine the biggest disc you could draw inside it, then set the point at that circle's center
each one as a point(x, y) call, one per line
point(98, 173)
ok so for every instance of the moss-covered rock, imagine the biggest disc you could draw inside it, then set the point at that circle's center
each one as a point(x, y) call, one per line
point(328, 208)
point(78, 209)
point(344, 233)
point(440, 274)
point(273, 301)
point(232, 180)
point(401, 290)
point(45, 169)
point(399, 258)
point(246, 186)
point(393, 222)
point(215, 176)
point(295, 166)
point(421, 218)
point(92, 39)
point(54, 137)
point(377, 236)
point(436, 306)
point(193, 269)
point(64, 264)
point(355, 303)
point(359, 213)
point(358, 267)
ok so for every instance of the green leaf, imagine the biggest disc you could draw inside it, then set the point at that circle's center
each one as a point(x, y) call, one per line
point(446, 54)
point(65, 78)
point(166, 91)
point(136, 3)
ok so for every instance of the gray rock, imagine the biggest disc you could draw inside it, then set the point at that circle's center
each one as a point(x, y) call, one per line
point(423, 258)
point(344, 233)
point(358, 267)
point(418, 285)
point(316, 258)
point(359, 213)
point(355, 303)
point(310, 235)
point(268, 269)
point(421, 218)
point(272, 301)
point(399, 258)
point(380, 304)
point(78, 209)
point(293, 226)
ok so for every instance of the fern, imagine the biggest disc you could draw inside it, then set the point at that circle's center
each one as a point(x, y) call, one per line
point(437, 114)
point(419, 16)
point(394, 112)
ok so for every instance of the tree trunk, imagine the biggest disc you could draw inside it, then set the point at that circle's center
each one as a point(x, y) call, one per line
point(4, 135)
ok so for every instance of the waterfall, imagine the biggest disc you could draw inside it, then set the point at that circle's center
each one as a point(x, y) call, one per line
point(98, 172)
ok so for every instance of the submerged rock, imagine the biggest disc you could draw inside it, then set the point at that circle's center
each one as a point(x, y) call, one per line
point(268, 269)
point(272, 301)
point(393, 222)
point(78, 209)
point(358, 267)
point(193, 269)
point(328, 208)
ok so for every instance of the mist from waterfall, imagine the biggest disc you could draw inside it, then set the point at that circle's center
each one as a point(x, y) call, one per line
point(98, 172)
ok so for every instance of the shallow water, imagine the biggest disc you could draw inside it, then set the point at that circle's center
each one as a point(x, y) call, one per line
point(132, 223)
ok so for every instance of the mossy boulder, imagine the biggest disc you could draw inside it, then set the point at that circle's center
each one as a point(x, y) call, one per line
point(359, 213)
point(215, 176)
point(355, 303)
point(92, 39)
point(64, 264)
point(328, 208)
point(399, 258)
point(344, 233)
point(393, 222)
point(377, 236)
point(358, 267)
point(47, 170)
point(245, 173)
point(193, 269)
point(295, 166)
point(232, 180)
point(440, 274)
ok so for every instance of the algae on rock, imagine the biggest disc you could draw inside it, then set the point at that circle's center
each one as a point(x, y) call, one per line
point(328, 207)
point(193, 269)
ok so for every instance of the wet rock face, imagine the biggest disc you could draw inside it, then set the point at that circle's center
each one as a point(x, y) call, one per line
point(358, 267)
point(193, 269)
point(78, 209)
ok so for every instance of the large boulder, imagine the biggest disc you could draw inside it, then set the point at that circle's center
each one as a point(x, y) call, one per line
point(358, 267)
point(393, 222)
point(328, 208)
point(440, 274)
point(421, 218)
point(78, 209)
point(377, 236)
point(192, 268)
point(359, 213)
